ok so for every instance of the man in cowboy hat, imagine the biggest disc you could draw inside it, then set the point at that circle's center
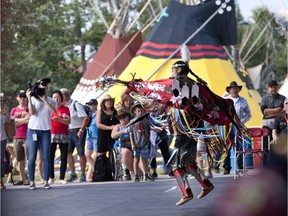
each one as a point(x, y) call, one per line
point(240, 103)
point(243, 112)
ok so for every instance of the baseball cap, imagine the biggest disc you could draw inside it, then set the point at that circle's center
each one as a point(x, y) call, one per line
point(272, 83)
point(21, 93)
point(92, 102)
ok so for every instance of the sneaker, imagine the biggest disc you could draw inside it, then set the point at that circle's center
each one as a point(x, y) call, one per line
point(154, 175)
point(47, 186)
point(217, 170)
point(61, 181)
point(205, 191)
point(32, 186)
point(136, 179)
point(208, 175)
point(171, 174)
point(147, 178)
point(19, 183)
point(184, 200)
point(127, 175)
point(51, 181)
point(128, 178)
point(3, 186)
point(72, 178)
point(82, 178)
point(226, 172)
point(26, 182)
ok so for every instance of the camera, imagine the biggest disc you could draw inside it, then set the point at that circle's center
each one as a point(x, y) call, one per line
point(35, 90)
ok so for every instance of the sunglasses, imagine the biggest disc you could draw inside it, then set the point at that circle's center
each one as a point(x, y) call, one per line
point(22, 96)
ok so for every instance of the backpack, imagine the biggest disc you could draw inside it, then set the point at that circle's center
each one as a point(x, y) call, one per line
point(87, 111)
point(8, 165)
point(102, 169)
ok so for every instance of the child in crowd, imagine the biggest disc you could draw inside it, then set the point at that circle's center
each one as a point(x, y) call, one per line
point(140, 141)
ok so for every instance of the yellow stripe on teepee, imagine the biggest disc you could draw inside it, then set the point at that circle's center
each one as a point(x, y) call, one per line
point(216, 72)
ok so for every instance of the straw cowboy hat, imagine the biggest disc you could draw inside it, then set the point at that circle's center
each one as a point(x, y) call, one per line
point(233, 84)
point(107, 97)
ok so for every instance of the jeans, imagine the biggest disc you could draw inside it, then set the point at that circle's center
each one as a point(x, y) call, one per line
point(3, 148)
point(75, 142)
point(43, 141)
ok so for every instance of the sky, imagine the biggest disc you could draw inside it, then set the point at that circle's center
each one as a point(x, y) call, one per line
point(276, 6)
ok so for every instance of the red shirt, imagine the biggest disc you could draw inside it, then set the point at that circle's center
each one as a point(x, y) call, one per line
point(21, 130)
point(56, 126)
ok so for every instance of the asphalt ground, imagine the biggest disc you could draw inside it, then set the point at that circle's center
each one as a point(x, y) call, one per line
point(124, 198)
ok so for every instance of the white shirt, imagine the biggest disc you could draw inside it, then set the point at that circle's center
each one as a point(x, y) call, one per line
point(41, 120)
point(77, 114)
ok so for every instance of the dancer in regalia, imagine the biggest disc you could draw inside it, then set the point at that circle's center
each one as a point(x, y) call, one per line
point(183, 157)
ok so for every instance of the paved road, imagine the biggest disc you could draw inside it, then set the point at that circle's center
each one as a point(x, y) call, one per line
point(111, 198)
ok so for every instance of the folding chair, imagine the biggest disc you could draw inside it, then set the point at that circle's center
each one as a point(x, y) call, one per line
point(255, 149)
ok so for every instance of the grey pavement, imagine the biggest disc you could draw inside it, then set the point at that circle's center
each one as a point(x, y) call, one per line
point(112, 198)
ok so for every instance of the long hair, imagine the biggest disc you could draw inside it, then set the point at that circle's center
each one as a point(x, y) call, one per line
point(183, 66)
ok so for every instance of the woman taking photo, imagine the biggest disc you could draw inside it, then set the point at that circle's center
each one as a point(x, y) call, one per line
point(39, 135)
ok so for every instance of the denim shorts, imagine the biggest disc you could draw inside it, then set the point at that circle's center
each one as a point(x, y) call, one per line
point(91, 144)
point(76, 143)
point(144, 151)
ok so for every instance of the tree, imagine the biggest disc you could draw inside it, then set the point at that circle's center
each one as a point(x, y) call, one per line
point(39, 40)
point(262, 42)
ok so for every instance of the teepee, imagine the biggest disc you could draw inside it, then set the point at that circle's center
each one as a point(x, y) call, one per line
point(117, 48)
point(205, 29)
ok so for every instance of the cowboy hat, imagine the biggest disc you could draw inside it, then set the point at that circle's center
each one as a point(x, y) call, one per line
point(106, 97)
point(134, 107)
point(233, 84)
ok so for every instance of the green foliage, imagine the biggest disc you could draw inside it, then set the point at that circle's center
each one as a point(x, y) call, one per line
point(269, 44)
point(38, 40)
point(48, 39)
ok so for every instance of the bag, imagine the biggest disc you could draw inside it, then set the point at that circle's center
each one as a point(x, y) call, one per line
point(102, 169)
point(87, 111)
point(8, 162)
point(8, 166)
point(10, 128)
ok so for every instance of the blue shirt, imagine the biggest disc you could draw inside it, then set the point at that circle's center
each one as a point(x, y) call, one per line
point(92, 130)
point(242, 108)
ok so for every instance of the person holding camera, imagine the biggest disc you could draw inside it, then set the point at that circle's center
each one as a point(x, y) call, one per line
point(39, 128)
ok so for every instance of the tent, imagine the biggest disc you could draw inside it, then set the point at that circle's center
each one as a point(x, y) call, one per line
point(284, 88)
point(209, 59)
point(113, 56)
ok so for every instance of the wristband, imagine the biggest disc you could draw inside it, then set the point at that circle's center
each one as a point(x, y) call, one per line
point(81, 130)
